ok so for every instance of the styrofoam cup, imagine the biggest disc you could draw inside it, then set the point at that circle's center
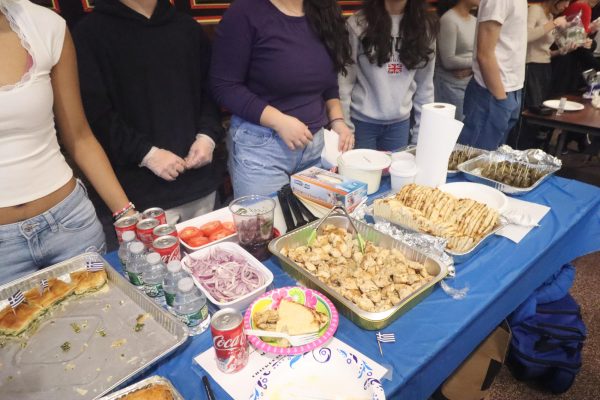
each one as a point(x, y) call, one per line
point(403, 156)
point(402, 172)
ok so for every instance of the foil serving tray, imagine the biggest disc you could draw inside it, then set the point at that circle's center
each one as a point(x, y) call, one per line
point(144, 383)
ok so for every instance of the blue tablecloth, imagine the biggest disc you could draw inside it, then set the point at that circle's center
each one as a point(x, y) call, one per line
point(434, 337)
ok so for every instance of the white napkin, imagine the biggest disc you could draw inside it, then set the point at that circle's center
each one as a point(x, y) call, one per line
point(296, 369)
point(525, 211)
point(330, 152)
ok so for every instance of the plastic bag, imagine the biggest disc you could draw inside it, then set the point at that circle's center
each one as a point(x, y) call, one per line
point(572, 35)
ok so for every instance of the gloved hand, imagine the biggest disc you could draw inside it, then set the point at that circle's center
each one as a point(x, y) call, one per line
point(201, 152)
point(164, 163)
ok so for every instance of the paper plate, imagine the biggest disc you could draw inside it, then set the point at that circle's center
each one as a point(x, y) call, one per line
point(307, 297)
point(475, 191)
point(569, 106)
point(324, 373)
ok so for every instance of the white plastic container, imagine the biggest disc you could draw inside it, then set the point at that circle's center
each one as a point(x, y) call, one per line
point(403, 156)
point(244, 301)
point(222, 214)
point(364, 165)
point(402, 173)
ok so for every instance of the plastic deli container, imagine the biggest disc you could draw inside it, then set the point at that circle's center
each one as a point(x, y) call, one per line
point(222, 215)
point(364, 165)
point(402, 172)
point(241, 303)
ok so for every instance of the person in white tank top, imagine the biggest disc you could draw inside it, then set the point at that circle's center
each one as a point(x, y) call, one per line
point(45, 215)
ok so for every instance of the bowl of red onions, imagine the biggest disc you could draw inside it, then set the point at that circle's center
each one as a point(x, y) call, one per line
point(228, 275)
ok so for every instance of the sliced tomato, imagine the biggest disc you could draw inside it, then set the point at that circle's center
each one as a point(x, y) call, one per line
point(211, 227)
point(197, 241)
point(220, 234)
point(189, 232)
point(230, 226)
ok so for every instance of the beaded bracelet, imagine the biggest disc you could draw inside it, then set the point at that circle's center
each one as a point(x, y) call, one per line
point(118, 214)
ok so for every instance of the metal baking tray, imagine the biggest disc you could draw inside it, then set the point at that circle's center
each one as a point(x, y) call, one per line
point(451, 172)
point(470, 166)
point(150, 381)
point(458, 257)
point(39, 369)
point(364, 319)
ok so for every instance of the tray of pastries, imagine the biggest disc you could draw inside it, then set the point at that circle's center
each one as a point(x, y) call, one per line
point(152, 388)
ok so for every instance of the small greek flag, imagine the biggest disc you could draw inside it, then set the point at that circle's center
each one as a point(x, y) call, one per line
point(43, 285)
point(16, 299)
point(94, 266)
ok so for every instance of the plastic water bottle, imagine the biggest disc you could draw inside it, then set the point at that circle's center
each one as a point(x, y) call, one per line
point(153, 276)
point(174, 274)
point(137, 264)
point(190, 306)
point(128, 238)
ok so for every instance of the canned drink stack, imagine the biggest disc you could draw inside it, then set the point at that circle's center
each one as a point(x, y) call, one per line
point(168, 248)
point(125, 224)
point(164, 230)
point(229, 340)
point(145, 229)
point(156, 213)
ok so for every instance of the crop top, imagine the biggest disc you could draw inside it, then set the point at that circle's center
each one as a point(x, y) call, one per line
point(31, 164)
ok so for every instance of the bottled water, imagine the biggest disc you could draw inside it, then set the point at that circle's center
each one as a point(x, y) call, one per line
point(173, 276)
point(128, 238)
point(153, 276)
point(190, 306)
point(137, 264)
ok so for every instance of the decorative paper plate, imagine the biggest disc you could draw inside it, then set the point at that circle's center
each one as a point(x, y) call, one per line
point(569, 106)
point(328, 372)
point(307, 297)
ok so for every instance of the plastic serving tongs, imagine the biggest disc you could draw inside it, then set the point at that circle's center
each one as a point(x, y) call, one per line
point(313, 234)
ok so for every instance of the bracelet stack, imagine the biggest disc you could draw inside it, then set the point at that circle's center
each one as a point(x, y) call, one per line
point(118, 214)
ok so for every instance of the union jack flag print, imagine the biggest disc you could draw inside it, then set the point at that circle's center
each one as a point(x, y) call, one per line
point(394, 68)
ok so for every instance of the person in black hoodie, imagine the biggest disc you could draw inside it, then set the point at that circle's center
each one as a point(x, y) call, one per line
point(143, 67)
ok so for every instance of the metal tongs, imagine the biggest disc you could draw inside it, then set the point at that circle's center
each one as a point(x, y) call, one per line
point(313, 234)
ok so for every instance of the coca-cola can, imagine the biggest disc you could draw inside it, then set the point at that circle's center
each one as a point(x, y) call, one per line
point(125, 224)
point(144, 229)
point(165, 230)
point(167, 247)
point(157, 213)
point(229, 340)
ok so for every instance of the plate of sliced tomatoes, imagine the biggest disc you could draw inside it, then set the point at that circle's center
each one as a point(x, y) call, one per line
point(210, 228)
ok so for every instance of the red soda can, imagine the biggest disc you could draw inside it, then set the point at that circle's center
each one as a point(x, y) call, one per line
point(168, 248)
point(144, 229)
point(229, 340)
point(156, 213)
point(165, 230)
point(125, 224)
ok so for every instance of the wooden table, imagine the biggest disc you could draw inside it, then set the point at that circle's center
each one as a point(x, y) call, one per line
point(586, 121)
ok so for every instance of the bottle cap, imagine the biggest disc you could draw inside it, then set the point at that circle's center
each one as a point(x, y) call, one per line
point(153, 258)
point(174, 266)
point(137, 247)
point(128, 236)
point(185, 284)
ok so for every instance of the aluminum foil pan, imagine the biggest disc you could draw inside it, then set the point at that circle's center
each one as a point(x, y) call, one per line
point(105, 349)
point(474, 152)
point(150, 381)
point(472, 169)
point(364, 319)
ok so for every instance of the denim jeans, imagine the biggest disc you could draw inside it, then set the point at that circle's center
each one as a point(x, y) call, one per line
point(488, 120)
point(260, 162)
point(388, 137)
point(66, 230)
point(451, 90)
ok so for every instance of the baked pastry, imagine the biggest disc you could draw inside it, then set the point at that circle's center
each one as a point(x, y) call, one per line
point(57, 291)
point(13, 324)
point(152, 392)
point(88, 282)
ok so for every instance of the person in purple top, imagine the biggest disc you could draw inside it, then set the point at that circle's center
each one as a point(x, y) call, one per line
point(274, 67)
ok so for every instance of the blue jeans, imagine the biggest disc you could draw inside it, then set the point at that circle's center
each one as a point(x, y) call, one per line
point(388, 137)
point(68, 229)
point(260, 162)
point(488, 120)
point(451, 90)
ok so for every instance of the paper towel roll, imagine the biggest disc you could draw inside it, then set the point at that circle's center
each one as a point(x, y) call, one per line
point(438, 134)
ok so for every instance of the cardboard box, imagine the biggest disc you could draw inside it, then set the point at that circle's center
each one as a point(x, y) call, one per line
point(328, 189)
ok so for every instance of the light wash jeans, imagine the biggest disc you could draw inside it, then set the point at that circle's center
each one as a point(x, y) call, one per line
point(66, 230)
point(451, 90)
point(387, 137)
point(260, 162)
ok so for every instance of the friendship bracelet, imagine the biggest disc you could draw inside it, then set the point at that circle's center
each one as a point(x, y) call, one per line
point(118, 214)
point(335, 119)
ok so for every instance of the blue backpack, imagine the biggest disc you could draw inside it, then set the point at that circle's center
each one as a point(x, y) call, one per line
point(546, 347)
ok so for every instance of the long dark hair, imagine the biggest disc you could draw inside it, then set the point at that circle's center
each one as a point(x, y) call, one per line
point(325, 17)
point(418, 30)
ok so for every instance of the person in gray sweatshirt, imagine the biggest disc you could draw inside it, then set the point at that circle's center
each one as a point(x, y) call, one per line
point(393, 49)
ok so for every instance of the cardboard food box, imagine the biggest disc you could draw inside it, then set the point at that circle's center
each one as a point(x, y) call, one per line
point(328, 189)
